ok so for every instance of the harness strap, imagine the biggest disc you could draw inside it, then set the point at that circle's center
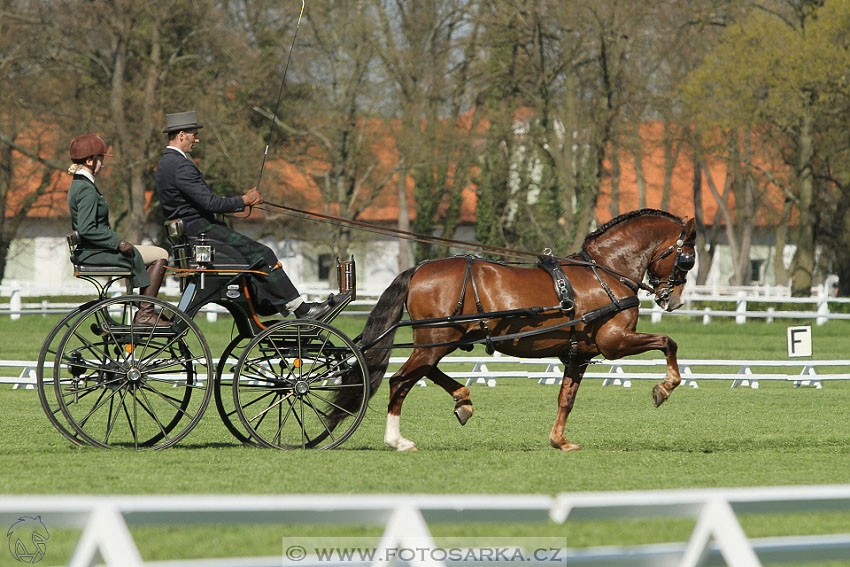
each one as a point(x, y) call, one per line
point(469, 275)
point(590, 316)
point(563, 287)
point(593, 266)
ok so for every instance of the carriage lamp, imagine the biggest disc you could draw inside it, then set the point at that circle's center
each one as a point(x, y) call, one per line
point(203, 253)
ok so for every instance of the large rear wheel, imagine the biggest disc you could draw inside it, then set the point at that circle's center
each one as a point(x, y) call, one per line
point(119, 384)
point(301, 384)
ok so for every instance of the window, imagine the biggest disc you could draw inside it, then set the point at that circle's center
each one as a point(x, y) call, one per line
point(326, 264)
point(756, 271)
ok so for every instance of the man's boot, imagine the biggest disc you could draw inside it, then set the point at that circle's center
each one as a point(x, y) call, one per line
point(146, 314)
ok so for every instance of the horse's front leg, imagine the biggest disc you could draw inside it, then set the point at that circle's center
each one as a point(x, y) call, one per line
point(627, 344)
point(566, 398)
point(662, 390)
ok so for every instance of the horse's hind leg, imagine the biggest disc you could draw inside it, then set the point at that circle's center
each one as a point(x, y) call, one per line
point(458, 392)
point(566, 398)
point(417, 366)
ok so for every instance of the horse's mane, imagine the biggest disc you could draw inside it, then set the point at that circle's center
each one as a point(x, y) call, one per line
point(624, 217)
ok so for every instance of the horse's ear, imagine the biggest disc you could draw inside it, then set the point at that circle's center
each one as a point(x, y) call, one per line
point(690, 228)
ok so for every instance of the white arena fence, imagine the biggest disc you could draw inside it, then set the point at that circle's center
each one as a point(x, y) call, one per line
point(405, 521)
point(547, 371)
point(745, 300)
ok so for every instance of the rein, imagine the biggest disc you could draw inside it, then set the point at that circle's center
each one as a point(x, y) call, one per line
point(587, 261)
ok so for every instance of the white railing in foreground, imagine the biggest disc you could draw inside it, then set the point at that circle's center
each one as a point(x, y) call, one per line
point(407, 519)
point(487, 369)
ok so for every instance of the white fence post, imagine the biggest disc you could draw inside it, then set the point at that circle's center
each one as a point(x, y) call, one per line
point(741, 308)
point(823, 307)
point(15, 304)
point(656, 313)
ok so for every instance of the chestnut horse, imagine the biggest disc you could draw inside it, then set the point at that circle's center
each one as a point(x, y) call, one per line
point(611, 267)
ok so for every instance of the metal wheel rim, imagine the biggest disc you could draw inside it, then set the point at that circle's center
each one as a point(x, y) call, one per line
point(222, 394)
point(44, 384)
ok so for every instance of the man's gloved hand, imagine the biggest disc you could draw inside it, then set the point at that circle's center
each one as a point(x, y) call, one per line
point(252, 197)
point(126, 249)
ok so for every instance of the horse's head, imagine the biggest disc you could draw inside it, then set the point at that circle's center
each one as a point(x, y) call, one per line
point(675, 258)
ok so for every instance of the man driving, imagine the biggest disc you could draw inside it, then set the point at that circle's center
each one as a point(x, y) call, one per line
point(184, 194)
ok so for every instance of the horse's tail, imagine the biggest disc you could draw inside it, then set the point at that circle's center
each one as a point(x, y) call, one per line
point(386, 313)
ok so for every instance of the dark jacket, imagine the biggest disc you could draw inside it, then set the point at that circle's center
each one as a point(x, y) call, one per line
point(183, 193)
point(99, 243)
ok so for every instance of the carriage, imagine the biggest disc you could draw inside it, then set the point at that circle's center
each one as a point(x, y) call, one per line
point(106, 382)
point(290, 384)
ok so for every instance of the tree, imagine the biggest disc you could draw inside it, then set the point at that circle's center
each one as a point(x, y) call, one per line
point(780, 72)
point(29, 153)
point(336, 134)
point(429, 52)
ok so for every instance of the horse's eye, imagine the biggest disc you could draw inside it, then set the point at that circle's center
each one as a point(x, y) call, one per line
point(686, 262)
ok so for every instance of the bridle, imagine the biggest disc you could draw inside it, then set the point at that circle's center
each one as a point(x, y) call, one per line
point(681, 266)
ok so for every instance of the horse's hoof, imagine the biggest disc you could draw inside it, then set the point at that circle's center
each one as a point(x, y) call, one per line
point(406, 445)
point(659, 395)
point(564, 445)
point(463, 413)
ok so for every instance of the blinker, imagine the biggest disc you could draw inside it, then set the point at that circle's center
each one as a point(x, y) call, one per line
point(685, 262)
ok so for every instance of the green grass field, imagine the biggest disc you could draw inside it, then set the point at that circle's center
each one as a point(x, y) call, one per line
point(709, 437)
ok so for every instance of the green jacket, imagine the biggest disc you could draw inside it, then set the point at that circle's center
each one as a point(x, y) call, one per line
point(98, 242)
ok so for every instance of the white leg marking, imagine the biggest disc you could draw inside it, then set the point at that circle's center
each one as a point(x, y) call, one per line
point(392, 436)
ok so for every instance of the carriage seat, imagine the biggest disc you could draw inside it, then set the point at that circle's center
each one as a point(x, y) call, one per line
point(90, 270)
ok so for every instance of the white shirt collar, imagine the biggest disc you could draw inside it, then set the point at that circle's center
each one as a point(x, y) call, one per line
point(181, 152)
point(85, 173)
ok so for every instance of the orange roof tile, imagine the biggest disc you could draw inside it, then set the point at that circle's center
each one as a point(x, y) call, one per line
point(300, 180)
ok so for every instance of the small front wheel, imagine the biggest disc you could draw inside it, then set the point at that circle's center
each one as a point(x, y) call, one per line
point(120, 384)
point(301, 384)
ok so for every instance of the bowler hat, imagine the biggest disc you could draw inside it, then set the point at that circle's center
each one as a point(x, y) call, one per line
point(181, 121)
point(88, 145)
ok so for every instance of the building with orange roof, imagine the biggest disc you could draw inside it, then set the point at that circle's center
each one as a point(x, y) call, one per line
point(303, 248)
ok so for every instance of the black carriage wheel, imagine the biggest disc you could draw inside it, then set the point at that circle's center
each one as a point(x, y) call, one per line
point(223, 396)
point(301, 385)
point(124, 385)
point(44, 380)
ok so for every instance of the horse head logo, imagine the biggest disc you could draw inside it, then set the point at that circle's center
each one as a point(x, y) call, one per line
point(27, 539)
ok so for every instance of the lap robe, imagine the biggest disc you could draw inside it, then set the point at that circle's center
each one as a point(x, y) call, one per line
point(272, 292)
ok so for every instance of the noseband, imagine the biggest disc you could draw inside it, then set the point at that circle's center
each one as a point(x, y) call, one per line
point(683, 264)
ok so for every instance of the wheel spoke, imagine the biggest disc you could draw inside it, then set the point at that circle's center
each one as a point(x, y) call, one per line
point(330, 403)
point(168, 400)
point(98, 404)
point(169, 343)
point(319, 416)
point(113, 417)
point(282, 421)
point(152, 413)
point(273, 405)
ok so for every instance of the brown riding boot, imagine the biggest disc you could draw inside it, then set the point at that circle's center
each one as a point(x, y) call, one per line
point(146, 314)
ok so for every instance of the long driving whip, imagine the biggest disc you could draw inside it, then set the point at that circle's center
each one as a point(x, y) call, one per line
point(279, 95)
